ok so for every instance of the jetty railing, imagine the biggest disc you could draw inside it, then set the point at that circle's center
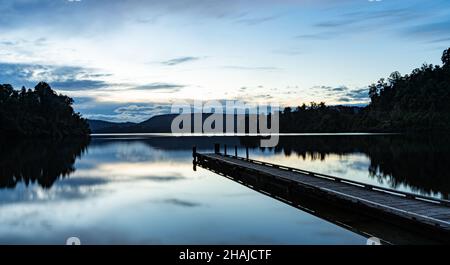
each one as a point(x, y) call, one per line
point(329, 177)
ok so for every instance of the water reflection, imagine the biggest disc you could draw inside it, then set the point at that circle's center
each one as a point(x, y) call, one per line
point(142, 190)
point(409, 163)
point(412, 163)
point(42, 162)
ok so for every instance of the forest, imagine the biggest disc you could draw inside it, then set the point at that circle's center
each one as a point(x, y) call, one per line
point(39, 113)
point(415, 102)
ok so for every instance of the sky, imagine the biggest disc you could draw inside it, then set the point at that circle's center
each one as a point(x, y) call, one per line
point(127, 60)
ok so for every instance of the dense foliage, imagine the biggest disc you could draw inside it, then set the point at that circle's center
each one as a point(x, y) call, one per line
point(415, 102)
point(319, 118)
point(38, 112)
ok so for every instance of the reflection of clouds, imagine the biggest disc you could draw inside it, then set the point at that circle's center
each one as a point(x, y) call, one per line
point(164, 178)
point(138, 152)
point(180, 202)
point(138, 171)
point(128, 201)
point(67, 190)
point(360, 165)
point(132, 151)
point(80, 182)
point(339, 172)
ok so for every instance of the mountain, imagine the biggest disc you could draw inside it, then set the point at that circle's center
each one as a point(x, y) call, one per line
point(156, 124)
point(99, 125)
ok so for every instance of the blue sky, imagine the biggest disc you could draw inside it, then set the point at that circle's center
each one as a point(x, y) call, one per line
point(126, 60)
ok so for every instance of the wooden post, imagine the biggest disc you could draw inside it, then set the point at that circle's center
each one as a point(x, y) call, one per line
point(217, 148)
point(235, 151)
point(225, 149)
point(246, 152)
point(194, 153)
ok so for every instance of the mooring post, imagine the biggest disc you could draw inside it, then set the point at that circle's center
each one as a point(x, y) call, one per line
point(225, 149)
point(246, 152)
point(194, 153)
point(235, 151)
point(217, 148)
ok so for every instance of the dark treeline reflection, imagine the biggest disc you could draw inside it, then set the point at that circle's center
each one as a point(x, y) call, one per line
point(38, 161)
point(422, 163)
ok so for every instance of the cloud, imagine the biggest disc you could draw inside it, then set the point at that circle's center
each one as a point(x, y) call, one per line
point(370, 16)
point(59, 77)
point(256, 20)
point(355, 95)
point(136, 109)
point(8, 43)
point(91, 16)
point(441, 29)
point(180, 60)
point(446, 40)
point(391, 18)
point(72, 84)
point(315, 36)
point(343, 93)
point(131, 112)
point(361, 94)
point(160, 87)
point(340, 88)
point(334, 24)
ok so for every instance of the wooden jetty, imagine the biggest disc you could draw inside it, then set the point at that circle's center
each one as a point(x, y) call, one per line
point(429, 216)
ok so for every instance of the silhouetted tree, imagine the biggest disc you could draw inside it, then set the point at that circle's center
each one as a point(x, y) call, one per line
point(415, 102)
point(39, 112)
point(446, 57)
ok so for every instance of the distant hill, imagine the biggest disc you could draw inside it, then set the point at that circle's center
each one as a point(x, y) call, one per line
point(162, 123)
point(156, 124)
point(99, 125)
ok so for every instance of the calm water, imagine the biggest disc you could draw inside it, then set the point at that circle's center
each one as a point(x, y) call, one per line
point(138, 190)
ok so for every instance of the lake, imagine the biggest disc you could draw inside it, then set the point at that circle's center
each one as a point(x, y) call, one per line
point(137, 189)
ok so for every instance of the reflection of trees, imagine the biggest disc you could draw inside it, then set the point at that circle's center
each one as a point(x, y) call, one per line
point(38, 161)
point(420, 163)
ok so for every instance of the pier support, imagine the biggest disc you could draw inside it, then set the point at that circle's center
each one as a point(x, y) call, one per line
point(217, 148)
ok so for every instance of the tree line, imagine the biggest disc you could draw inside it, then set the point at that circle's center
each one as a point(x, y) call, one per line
point(418, 101)
point(39, 112)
